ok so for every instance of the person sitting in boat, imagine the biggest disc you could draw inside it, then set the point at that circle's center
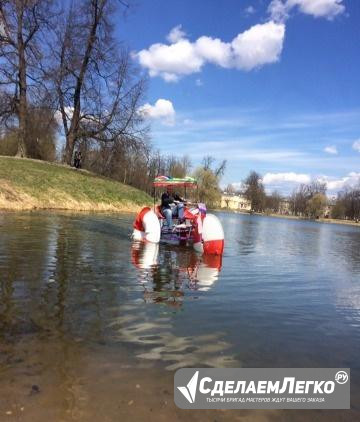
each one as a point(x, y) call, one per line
point(172, 206)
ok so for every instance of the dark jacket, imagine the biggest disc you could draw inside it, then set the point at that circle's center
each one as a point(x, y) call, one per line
point(167, 199)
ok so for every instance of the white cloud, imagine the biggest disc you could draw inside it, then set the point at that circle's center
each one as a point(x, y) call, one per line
point(176, 34)
point(171, 61)
point(250, 10)
point(213, 50)
point(356, 145)
point(351, 179)
point(261, 44)
point(279, 9)
point(291, 177)
point(320, 8)
point(284, 182)
point(333, 184)
point(331, 149)
point(68, 111)
point(162, 110)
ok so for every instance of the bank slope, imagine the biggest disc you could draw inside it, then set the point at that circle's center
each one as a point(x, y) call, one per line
point(32, 184)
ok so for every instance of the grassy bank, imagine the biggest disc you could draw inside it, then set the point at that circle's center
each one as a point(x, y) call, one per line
point(32, 184)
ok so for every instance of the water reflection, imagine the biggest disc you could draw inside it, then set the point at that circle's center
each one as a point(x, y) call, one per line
point(68, 278)
point(169, 276)
point(165, 272)
point(81, 308)
point(78, 280)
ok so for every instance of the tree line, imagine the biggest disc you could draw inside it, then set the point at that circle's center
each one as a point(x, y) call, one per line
point(62, 60)
point(62, 71)
point(347, 204)
point(306, 200)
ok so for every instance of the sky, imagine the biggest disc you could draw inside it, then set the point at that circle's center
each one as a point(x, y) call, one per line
point(271, 86)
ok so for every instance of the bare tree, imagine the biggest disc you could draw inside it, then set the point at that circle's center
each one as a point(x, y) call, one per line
point(316, 205)
point(207, 163)
point(254, 191)
point(21, 24)
point(230, 189)
point(186, 164)
point(98, 89)
point(220, 170)
point(348, 203)
point(315, 187)
point(208, 180)
point(303, 194)
point(273, 201)
point(298, 200)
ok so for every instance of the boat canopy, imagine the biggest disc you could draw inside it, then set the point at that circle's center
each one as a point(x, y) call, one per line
point(165, 181)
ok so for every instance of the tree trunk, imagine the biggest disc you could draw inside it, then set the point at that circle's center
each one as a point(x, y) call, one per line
point(22, 150)
point(97, 11)
point(69, 148)
point(22, 112)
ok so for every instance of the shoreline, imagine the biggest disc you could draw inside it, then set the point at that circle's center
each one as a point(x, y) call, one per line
point(134, 210)
point(79, 208)
point(294, 217)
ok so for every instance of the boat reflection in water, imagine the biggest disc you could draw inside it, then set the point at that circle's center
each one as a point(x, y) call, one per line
point(174, 277)
point(166, 272)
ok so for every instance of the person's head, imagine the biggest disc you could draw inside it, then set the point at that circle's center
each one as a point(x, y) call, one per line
point(169, 190)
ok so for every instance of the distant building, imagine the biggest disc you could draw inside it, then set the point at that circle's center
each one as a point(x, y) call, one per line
point(285, 207)
point(329, 207)
point(235, 202)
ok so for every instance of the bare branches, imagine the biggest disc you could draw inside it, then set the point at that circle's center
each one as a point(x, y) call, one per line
point(254, 191)
point(94, 79)
point(304, 194)
point(67, 63)
point(21, 54)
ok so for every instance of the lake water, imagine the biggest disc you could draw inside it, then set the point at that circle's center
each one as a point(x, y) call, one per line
point(93, 327)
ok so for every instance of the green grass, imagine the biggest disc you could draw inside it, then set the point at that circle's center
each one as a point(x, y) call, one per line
point(32, 184)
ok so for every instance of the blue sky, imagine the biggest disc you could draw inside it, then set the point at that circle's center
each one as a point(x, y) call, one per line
point(268, 85)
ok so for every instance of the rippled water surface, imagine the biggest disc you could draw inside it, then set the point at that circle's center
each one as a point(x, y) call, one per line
point(88, 319)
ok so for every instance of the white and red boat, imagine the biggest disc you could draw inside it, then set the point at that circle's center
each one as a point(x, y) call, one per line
point(199, 229)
